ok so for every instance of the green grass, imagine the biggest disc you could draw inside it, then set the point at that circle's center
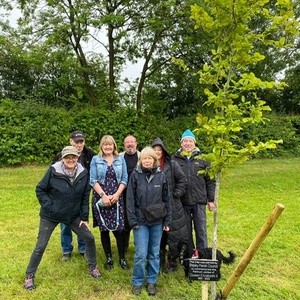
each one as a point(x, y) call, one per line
point(248, 194)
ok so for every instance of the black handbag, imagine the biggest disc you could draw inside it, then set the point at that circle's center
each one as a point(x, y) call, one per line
point(154, 212)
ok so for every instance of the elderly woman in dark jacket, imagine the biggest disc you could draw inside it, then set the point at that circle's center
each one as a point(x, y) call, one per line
point(147, 186)
point(176, 237)
point(63, 194)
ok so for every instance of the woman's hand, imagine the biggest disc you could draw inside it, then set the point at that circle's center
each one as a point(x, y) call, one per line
point(106, 200)
point(166, 228)
point(114, 198)
point(86, 224)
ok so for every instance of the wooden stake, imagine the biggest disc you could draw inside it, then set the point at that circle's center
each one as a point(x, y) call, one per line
point(275, 214)
point(204, 290)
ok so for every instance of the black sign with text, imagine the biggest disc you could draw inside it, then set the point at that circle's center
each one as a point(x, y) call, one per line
point(204, 269)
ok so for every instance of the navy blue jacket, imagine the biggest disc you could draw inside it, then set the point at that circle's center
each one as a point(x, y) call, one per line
point(200, 188)
point(61, 200)
point(144, 192)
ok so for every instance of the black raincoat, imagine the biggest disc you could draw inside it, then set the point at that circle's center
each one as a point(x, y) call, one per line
point(177, 236)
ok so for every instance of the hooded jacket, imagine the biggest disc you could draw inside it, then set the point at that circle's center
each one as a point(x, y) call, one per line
point(200, 188)
point(177, 186)
point(61, 200)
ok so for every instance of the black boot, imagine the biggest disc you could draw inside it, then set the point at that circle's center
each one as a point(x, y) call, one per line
point(124, 265)
point(109, 263)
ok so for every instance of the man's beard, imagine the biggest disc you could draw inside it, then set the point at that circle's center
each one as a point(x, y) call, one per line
point(130, 151)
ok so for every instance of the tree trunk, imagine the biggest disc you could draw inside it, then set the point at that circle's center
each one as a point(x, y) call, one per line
point(215, 230)
point(111, 75)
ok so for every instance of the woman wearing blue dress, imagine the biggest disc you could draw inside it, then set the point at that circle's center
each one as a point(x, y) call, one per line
point(108, 178)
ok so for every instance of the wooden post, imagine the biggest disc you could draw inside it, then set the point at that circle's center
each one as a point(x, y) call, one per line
point(204, 290)
point(275, 214)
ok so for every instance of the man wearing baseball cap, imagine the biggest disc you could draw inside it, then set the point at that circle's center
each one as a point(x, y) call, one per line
point(86, 154)
point(63, 194)
point(77, 140)
point(200, 190)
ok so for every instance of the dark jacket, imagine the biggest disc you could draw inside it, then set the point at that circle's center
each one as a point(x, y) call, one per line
point(200, 188)
point(177, 185)
point(85, 157)
point(147, 187)
point(62, 201)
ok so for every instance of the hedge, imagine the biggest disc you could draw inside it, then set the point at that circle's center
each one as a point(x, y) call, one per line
point(32, 133)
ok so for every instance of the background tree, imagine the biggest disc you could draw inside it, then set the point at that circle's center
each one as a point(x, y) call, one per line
point(150, 33)
point(16, 80)
point(290, 97)
point(63, 25)
point(46, 75)
point(98, 40)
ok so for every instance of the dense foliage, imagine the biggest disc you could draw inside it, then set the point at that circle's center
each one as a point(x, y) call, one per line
point(62, 68)
point(34, 133)
point(62, 53)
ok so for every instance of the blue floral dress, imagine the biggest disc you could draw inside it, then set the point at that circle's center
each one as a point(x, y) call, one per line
point(108, 218)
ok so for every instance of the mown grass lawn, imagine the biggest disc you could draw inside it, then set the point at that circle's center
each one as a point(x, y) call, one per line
point(248, 194)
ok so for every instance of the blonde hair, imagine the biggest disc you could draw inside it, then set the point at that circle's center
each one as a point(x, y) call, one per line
point(148, 151)
point(109, 140)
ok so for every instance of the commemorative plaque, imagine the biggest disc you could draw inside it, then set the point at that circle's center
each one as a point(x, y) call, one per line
point(204, 269)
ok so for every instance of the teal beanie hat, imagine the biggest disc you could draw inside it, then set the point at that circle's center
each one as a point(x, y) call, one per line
point(188, 134)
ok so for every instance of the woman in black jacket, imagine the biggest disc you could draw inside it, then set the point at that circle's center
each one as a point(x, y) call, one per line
point(147, 186)
point(176, 237)
point(63, 194)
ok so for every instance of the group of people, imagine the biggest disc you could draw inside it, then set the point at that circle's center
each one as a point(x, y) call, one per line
point(125, 186)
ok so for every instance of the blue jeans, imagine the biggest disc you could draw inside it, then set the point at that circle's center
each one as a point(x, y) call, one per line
point(45, 230)
point(146, 256)
point(196, 215)
point(66, 240)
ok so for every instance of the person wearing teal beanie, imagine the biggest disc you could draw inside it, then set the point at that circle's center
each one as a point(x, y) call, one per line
point(200, 191)
point(188, 134)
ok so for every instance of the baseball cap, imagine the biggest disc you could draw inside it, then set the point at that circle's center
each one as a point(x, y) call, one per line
point(77, 136)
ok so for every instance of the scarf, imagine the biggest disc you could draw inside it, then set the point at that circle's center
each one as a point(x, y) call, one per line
point(71, 175)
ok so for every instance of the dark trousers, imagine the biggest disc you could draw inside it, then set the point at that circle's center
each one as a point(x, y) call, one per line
point(164, 241)
point(126, 234)
point(45, 231)
point(195, 215)
point(127, 230)
point(106, 244)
